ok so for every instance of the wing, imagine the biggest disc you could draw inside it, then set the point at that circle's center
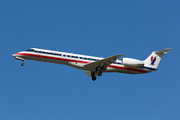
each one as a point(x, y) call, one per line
point(104, 63)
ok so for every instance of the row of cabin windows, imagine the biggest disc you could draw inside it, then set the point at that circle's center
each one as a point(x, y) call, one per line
point(67, 55)
point(32, 50)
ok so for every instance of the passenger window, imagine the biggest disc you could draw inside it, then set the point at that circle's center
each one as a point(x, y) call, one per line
point(81, 58)
point(68, 56)
point(64, 55)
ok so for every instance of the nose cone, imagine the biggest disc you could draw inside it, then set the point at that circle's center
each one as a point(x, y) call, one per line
point(18, 56)
point(14, 55)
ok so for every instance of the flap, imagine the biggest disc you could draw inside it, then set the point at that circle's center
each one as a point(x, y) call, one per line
point(88, 73)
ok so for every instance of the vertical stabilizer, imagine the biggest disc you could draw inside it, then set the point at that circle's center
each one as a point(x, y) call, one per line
point(155, 57)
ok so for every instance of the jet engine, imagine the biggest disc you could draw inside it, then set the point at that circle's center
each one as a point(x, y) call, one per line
point(133, 63)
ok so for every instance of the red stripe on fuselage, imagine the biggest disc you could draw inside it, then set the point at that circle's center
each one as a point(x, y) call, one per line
point(63, 59)
point(132, 69)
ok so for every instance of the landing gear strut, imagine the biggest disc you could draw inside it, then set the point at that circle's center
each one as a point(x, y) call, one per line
point(98, 69)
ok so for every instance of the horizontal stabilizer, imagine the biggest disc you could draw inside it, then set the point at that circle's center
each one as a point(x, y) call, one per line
point(162, 52)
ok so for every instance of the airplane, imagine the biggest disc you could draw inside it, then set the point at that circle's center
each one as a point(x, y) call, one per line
point(94, 66)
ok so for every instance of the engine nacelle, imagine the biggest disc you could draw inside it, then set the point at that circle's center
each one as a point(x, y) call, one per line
point(130, 62)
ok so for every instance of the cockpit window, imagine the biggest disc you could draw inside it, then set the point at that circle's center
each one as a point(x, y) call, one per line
point(30, 50)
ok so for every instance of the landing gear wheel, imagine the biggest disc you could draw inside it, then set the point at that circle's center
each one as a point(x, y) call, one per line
point(100, 73)
point(94, 78)
point(22, 64)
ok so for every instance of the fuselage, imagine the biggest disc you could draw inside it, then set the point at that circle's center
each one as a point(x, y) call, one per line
point(76, 60)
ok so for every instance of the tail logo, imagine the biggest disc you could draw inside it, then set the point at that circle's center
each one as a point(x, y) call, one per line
point(153, 59)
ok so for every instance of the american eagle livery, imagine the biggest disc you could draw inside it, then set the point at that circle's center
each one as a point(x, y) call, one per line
point(94, 66)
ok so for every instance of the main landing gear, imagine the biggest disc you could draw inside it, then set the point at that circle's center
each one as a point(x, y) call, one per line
point(93, 76)
point(98, 72)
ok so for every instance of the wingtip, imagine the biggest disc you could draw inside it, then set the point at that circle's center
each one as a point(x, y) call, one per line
point(120, 54)
point(168, 49)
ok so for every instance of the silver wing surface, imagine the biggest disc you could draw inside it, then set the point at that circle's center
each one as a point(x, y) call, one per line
point(103, 64)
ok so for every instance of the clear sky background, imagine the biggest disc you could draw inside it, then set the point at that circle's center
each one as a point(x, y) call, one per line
point(45, 91)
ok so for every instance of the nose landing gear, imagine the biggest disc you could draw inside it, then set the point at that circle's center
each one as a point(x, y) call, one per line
point(22, 63)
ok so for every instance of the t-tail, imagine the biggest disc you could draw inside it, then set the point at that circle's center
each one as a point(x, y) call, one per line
point(155, 57)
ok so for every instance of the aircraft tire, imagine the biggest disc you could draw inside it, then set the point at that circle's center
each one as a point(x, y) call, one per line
point(94, 78)
point(22, 64)
point(100, 73)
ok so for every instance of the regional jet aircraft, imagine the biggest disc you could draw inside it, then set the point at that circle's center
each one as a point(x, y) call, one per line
point(94, 66)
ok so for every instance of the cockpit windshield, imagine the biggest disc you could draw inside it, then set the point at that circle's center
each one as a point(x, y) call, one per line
point(30, 50)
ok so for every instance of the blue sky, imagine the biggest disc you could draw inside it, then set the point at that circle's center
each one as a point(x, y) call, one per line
point(44, 91)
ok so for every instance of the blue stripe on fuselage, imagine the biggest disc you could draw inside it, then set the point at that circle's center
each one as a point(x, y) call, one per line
point(149, 68)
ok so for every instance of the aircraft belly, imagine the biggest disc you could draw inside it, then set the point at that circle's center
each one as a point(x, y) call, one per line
point(76, 65)
point(116, 70)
